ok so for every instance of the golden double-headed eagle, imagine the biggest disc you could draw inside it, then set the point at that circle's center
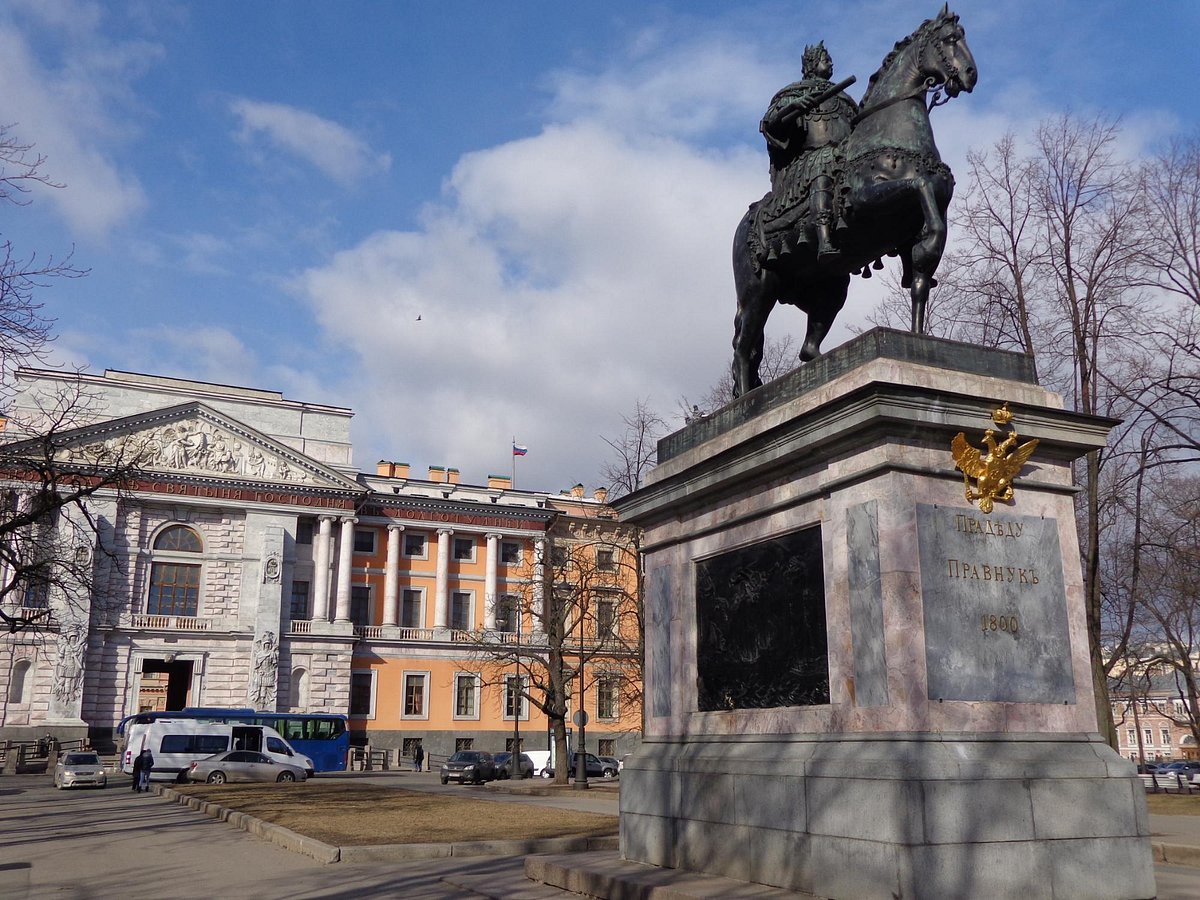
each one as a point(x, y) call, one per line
point(994, 470)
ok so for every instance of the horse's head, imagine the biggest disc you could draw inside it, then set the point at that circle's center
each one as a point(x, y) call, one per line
point(944, 55)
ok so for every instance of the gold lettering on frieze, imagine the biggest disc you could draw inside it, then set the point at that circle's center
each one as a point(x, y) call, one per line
point(1002, 574)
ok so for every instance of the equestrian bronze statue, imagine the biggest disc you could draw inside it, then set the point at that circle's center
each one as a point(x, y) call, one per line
point(850, 184)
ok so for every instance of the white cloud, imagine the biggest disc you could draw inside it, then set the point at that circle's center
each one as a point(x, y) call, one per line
point(330, 147)
point(69, 111)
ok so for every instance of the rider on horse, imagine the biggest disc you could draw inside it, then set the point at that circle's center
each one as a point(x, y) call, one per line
point(802, 132)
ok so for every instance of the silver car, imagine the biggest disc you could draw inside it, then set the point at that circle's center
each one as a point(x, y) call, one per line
point(83, 767)
point(243, 765)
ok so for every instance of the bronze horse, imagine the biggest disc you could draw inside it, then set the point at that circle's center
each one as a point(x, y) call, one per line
point(894, 188)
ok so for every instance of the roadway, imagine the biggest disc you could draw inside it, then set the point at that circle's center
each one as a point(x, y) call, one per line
point(89, 844)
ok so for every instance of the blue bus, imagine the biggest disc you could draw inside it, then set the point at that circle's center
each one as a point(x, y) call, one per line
point(322, 737)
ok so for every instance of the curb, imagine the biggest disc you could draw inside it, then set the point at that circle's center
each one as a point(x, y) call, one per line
point(1176, 854)
point(326, 853)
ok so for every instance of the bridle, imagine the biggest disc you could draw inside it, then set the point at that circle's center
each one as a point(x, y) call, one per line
point(929, 84)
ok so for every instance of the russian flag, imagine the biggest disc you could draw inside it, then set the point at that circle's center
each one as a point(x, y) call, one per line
point(518, 450)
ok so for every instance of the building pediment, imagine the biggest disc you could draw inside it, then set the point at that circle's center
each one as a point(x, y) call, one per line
point(195, 440)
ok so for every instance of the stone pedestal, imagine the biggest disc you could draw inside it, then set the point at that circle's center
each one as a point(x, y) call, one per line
point(858, 684)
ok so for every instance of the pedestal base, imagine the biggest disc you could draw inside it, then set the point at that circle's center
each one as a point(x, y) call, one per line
point(894, 816)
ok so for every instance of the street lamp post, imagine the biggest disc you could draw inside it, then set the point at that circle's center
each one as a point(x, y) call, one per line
point(514, 763)
point(581, 717)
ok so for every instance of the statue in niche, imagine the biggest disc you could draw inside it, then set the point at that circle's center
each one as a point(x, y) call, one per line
point(850, 185)
point(265, 673)
point(68, 668)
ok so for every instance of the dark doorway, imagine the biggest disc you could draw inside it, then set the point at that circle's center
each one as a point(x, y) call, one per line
point(165, 684)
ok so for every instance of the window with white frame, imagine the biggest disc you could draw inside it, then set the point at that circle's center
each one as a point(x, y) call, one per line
point(466, 695)
point(1131, 737)
point(415, 703)
point(516, 704)
point(462, 605)
point(508, 608)
point(510, 553)
point(463, 549)
point(1149, 736)
point(362, 694)
point(606, 696)
point(364, 540)
point(606, 560)
point(1166, 736)
point(412, 607)
point(416, 546)
point(606, 616)
point(174, 576)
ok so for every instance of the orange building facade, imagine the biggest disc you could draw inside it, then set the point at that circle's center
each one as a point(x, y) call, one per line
point(437, 571)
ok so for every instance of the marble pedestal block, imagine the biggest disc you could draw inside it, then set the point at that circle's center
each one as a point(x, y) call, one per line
point(857, 684)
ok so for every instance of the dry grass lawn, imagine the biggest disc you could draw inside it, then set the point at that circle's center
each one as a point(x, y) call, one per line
point(1174, 804)
point(348, 814)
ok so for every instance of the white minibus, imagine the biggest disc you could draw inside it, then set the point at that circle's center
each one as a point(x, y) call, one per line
point(177, 743)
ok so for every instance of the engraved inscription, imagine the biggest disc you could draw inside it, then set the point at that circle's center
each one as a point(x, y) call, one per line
point(994, 607)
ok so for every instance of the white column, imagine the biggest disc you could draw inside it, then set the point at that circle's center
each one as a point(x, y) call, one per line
point(391, 576)
point(539, 583)
point(441, 607)
point(345, 569)
point(489, 581)
point(320, 584)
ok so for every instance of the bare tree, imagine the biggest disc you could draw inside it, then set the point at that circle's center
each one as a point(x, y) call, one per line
point(1170, 218)
point(585, 640)
point(635, 450)
point(25, 329)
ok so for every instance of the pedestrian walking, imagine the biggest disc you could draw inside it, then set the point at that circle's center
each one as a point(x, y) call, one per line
point(137, 773)
point(418, 756)
point(147, 759)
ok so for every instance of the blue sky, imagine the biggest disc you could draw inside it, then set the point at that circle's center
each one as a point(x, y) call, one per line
point(270, 193)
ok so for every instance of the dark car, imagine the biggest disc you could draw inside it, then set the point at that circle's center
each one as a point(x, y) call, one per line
point(595, 768)
point(469, 766)
point(504, 765)
point(1187, 770)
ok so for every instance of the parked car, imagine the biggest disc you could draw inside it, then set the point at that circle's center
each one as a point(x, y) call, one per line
point(595, 768)
point(1147, 768)
point(82, 767)
point(243, 765)
point(504, 765)
point(610, 762)
point(469, 765)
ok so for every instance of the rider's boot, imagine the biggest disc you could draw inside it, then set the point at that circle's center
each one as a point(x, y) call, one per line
point(822, 200)
point(825, 248)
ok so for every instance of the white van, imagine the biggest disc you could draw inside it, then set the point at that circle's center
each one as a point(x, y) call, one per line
point(177, 743)
point(541, 759)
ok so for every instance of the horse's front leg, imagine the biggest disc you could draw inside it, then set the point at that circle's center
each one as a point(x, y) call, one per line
point(826, 299)
point(926, 251)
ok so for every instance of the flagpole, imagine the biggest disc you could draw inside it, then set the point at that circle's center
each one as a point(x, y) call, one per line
point(512, 450)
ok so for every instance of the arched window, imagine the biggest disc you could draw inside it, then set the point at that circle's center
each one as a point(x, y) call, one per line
point(298, 699)
point(175, 582)
point(18, 688)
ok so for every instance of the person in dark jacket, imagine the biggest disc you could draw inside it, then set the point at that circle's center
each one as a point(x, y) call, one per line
point(137, 773)
point(419, 755)
point(147, 759)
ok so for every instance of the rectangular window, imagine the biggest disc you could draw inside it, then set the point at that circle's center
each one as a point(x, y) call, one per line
point(464, 549)
point(606, 617)
point(304, 531)
point(408, 745)
point(36, 595)
point(1149, 736)
point(174, 590)
point(414, 545)
point(507, 609)
point(200, 744)
point(514, 698)
point(508, 745)
point(411, 609)
point(460, 610)
point(364, 540)
point(558, 556)
point(466, 695)
point(606, 697)
point(1166, 737)
point(510, 553)
point(1131, 736)
point(464, 744)
point(414, 695)
point(300, 611)
point(360, 604)
point(606, 747)
point(606, 561)
point(362, 694)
